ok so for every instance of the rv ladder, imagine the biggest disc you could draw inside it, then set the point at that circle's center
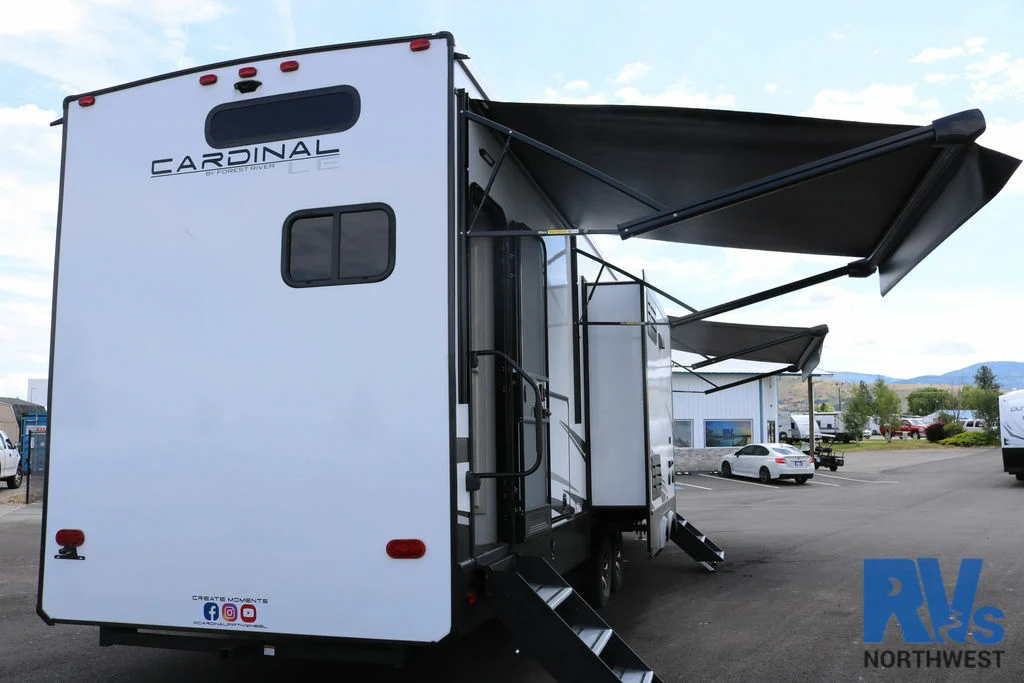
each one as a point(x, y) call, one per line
point(695, 544)
point(555, 625)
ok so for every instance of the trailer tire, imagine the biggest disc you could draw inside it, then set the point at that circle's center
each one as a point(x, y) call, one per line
point(617, 562)
point(598, 575)
point(765, 475)
point(15, 481)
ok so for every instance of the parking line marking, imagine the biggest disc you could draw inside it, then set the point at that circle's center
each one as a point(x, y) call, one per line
point(833, 476)
point(695, 486)
point(737, 481)
point(824, 483)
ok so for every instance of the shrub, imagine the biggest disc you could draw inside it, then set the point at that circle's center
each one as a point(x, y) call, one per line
point(953, 428)
point(935, 432)
point(967, 439)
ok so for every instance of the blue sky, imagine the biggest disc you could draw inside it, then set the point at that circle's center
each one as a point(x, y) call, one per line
point(905, 62)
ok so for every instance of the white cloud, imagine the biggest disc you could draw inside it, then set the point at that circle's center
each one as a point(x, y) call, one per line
point(577, 85)
point(678, 95)
point(930, 55)
point(771, 87)
point(71, 42)
point(835, 35)
point(879, 103)
point(1007, 138)
point(939, 78)
point(996, 78)
point(632, 72)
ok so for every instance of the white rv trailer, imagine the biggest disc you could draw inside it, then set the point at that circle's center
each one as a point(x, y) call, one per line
point(1011, 432)
point(360, 229)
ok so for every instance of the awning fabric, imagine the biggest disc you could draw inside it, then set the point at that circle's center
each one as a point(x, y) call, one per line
point(799, 347)
point(680, 156)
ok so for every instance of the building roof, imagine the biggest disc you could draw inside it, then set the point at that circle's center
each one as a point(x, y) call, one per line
point(22, 408)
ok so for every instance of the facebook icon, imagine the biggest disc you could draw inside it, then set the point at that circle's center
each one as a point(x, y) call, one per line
point(211, 611)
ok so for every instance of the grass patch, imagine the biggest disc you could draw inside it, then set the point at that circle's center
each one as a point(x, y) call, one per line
point(880, 445)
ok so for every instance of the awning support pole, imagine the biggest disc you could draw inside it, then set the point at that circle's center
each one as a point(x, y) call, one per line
point(780, 181)
point(634, 278)
point(748, 380)
point(858, 268)
point(566, 159)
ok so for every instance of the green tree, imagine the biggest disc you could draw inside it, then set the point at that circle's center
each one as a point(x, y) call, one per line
point(825, 407)
point(858, 411)
point(983, 399)
point(984, 378)
point(927, 400)
point(885, 406)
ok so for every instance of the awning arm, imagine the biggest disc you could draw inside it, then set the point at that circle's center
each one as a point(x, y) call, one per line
point(634, 278)
point(955, 130)
point(695, 374)
point(859, 268)
point(819, 331)
point(765, 375)
point(571, 161)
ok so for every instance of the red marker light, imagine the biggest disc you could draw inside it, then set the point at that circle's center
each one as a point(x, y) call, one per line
point(247, 72)
point(208, 79)
point(86, 101)
point(290, 65)
point(406, 549)
point(471, 597)
point(70, 537)
point(419, 45)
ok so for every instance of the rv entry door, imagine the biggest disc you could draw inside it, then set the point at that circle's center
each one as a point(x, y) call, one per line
point(523, 297)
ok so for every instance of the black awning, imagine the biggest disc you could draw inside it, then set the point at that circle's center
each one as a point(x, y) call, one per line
point(730, 176)
point(799, 348)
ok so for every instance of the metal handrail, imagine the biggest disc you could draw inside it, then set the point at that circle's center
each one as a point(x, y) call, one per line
point(473, 478)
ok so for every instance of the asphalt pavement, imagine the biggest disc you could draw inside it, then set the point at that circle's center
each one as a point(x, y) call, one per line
point(786, 605)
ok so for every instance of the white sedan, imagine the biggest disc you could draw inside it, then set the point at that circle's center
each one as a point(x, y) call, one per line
point(768, 461)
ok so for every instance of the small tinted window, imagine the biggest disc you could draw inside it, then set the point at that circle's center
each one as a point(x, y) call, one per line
point(337, 246)
point(281, 117)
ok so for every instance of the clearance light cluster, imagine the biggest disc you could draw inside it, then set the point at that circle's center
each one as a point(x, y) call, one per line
point(250, 72)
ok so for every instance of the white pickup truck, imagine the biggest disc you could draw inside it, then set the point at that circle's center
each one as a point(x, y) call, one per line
point(10, 462)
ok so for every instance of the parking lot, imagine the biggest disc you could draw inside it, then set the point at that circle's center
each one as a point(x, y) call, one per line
point(787, 603)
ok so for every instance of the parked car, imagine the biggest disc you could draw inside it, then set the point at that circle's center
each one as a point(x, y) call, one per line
point(974, 425)
point(10, 462)
point(866, 434)
point(768, 461)
point(910, 426)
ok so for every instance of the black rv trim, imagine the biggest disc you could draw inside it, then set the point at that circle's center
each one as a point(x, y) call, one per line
point(440, 35)
point(574, 275)
point(225, 142)
point(336, 213)
point(454, 270)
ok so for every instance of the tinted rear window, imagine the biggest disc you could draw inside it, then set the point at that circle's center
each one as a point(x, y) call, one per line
point(281, 117)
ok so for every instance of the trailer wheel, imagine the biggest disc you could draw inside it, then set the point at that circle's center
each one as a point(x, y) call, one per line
point(15, 481)
point(617, 563)
point(598, 575)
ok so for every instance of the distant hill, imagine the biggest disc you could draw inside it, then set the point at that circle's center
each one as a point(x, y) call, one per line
point(1009, 374)
point(793, 392)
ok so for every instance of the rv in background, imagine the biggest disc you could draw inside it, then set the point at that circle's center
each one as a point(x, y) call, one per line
point(1011, 432)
